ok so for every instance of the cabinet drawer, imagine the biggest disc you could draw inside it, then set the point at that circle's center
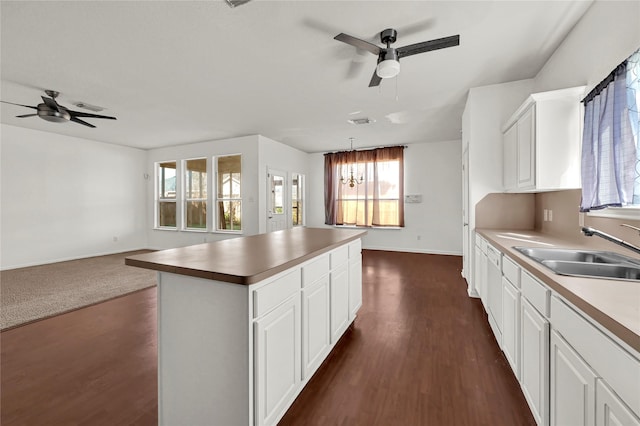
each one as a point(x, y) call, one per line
point(511, 271)
point(536, 293)
point(271, 295)
point(609, 360)
point(312, 272)
point(355, 248)
point(339, 256)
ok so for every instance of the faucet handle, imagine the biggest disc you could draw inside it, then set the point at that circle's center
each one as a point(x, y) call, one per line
point(632, 227)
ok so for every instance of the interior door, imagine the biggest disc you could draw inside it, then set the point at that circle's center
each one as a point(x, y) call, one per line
point(277, 204)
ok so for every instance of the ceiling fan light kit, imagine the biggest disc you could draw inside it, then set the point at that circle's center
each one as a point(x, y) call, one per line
point(388, 68)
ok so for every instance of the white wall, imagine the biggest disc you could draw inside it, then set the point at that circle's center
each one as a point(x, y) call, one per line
point(431, 169)
point(605, 36)
point(247, 146)
point(65, 198)
point(276, 155)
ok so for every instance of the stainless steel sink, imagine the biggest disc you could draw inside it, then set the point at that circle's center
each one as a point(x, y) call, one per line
point(569, 255)
point(601, 270)
point(585, 263)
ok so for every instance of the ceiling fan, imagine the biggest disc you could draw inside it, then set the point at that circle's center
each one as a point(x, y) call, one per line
point(52, 111)
point(389, 57)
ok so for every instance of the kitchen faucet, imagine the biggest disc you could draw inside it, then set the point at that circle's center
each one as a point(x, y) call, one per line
point(589, 232)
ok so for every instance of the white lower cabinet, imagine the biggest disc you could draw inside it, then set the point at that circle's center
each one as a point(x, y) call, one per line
point(339, 290)
point(573, 386)
point(534, 377)
point(315, 325)
point(610, 410)
point(355, 285)
point(277, 360)
point(511, 325)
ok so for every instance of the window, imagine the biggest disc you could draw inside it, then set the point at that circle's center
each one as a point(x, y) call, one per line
point(297, 199)
point(195, 193)
point(166, 194)
point(610, 147)
point(229, 201)
point(365, 188)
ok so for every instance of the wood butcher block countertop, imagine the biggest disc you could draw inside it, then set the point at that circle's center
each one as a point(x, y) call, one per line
point(246, 260)
point(614, 304)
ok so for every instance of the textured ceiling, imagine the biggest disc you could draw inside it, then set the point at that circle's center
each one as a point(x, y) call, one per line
point(177, 72)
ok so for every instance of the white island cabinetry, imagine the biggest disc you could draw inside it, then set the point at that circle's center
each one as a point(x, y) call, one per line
point(239, 352)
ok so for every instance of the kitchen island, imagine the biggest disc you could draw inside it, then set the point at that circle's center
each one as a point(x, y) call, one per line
point(244, 323)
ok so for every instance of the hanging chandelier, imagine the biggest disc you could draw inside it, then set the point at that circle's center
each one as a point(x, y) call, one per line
point(351, 180)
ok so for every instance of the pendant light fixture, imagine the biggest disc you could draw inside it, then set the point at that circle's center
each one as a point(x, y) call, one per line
point(351, 180)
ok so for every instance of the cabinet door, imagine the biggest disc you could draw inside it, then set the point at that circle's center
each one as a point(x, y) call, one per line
point(526, 149)
point(572, 385)
point(339, 291)
point(355, 286)
point(534, 349)
point(277, 360)
point(511, 325)
point(610, 410)
point(315, 326)
point(510, 158)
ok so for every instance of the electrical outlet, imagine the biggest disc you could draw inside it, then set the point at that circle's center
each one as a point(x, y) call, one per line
point(550, 215)
point(581, 219)
point(546, 215)
point(419, 237)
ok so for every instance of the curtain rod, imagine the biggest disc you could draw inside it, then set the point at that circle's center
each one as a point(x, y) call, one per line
point(604, 83)
point(368, 149)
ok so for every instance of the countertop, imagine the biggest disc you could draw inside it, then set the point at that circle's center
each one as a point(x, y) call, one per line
point(246, 260)
point(614, 304)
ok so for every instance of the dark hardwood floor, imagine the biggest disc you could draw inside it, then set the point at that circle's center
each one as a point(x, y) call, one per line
point(420, 353)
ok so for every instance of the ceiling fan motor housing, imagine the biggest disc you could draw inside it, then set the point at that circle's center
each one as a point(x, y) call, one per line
point(49, 114)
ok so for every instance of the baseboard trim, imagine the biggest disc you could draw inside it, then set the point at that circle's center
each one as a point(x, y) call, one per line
point(67, 259)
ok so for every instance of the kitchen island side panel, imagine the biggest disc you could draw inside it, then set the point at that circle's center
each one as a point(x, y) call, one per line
point(203, 352)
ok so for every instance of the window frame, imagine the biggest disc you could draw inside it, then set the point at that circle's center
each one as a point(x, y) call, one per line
point(216, 215)
point(186, 199)
point(159, 199)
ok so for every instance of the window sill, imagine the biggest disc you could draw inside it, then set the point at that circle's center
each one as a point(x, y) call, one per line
point(198, 231)
point(395, 228)
point(628, 213)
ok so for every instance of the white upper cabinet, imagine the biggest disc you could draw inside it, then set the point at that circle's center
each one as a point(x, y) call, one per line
point(541, 142)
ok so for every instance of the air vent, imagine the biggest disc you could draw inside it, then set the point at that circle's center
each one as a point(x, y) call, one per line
point(359, 121)
point(90, 107)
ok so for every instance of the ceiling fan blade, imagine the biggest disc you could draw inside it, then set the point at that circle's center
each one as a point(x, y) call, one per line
point(84, 123)
point(51, 103)
point(375, 79)
point(26, 115)
point(26, 106)
point(427, 46)
point(86, 114)
point(356, 42)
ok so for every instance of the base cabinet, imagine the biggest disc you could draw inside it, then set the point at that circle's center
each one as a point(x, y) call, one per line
point(315, 325)
point(610, 410)
point(277, 360)
point(339, 285)
point(511, 325)
point(355, 286)
point(534, 377)
point(572, 384)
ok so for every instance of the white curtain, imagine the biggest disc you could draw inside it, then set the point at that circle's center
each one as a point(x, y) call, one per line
point(609, 154)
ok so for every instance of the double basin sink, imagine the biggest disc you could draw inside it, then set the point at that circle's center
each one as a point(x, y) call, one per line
point(585, 263)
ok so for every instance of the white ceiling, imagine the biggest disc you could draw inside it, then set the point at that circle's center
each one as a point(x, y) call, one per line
point(176, 72)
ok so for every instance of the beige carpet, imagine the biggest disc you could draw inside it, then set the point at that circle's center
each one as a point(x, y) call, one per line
point(37, 292)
